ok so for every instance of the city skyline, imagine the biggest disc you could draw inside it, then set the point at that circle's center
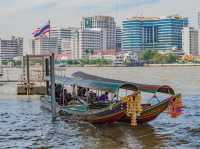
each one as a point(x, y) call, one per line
point(20, 17)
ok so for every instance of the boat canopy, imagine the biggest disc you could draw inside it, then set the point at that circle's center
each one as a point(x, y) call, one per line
point(95, 84)
point(142, 87)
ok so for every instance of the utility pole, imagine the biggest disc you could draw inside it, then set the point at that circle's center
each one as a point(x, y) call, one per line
point(52, 78)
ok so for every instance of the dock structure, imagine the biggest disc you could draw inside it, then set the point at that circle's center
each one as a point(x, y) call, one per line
point(32, 81)
point(39, 78)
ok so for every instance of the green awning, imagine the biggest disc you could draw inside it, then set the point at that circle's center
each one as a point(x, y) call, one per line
point(94, 84)
point(142, 87)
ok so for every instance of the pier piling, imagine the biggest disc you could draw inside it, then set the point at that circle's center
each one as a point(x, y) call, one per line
point(52, 79)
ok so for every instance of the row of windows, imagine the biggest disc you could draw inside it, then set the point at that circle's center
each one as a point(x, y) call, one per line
point(180, 21)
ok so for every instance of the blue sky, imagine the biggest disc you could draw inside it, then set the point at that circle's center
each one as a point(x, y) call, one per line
point(20, 17)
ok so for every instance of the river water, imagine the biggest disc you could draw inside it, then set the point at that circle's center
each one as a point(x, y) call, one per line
point(23, 124)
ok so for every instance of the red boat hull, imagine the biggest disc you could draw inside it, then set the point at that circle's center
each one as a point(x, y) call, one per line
point(150, 113)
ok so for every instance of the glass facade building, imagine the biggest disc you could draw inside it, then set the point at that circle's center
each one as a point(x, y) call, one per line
point(163, 34)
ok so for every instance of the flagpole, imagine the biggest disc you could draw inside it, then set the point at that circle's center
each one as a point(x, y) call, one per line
point(49, 28)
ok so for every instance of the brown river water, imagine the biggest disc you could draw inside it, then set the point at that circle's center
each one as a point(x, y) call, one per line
point(23, 124)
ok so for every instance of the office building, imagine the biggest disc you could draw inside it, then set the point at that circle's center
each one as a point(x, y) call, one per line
point(105, 23)
point(63, 36)
point(163, 34)
point(91, 40)
point(199, 30)
point(11, 48)
point(76, 53)
point(59, 41)
point(118, 38)
point(190, 40)
point(31, 49)
point(45, 46)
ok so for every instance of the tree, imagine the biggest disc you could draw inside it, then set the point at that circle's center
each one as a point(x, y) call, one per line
point(147, 55)
point(171, 58)
point(159, 58)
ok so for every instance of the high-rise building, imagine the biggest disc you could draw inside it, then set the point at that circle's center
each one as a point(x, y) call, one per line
point(105, 23)
point(190, 40)
point(199, 18)
point(75, 52)
point(63, 36)
point(60, 40)
point(163, 34)
point(199, 30)
point(66, 44)
point(118, 38)
point(31, 50)
point(11, 48)
point(45, 45)
point(91, 40)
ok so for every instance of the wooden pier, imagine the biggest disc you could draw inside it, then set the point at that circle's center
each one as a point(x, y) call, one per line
point(33, 78)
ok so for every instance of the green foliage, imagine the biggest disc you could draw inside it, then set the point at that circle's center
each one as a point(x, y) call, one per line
point(18, 63)
point(158, 58)
point(147, 55)
point(85, 61)
point(171, 58)
point(4, 62)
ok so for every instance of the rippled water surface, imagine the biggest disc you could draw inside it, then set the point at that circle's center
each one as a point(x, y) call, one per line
point(23, 124)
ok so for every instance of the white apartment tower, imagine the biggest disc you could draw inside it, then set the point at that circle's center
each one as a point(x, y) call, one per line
point(45, 45)
point(75, 52)
point(11, 48)
point(190, 40)
point(31, 50)
point(91, 40)
point(199, 30)
point(105, 23)
point(63, 36)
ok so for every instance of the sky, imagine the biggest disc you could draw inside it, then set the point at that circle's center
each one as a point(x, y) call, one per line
point(21, 17)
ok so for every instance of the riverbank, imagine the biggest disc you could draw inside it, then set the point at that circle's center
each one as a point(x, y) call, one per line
point(170, 65)
point(123, 65)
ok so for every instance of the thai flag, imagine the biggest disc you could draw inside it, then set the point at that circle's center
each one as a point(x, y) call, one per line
point(42, 32)
point(37, 30)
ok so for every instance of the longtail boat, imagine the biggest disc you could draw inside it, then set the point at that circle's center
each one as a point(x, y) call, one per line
point(98, 113)
point(149, 112)
point(127, 109)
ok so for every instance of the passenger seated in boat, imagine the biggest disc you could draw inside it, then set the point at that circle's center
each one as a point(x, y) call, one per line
point(115, 99)
point(86, 91)
point(104, 97)
point(92, 97)
point(58, 92)
point(81, 91)
point(62, 99)
point(67, 97)
point(58, 89)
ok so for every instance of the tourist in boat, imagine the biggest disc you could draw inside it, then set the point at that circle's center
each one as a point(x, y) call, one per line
point(66, 97)
point(115, 99)
point(58, 93)
point(92, 97)
point(81, 91)
point(69, 97)
point(104, 97)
